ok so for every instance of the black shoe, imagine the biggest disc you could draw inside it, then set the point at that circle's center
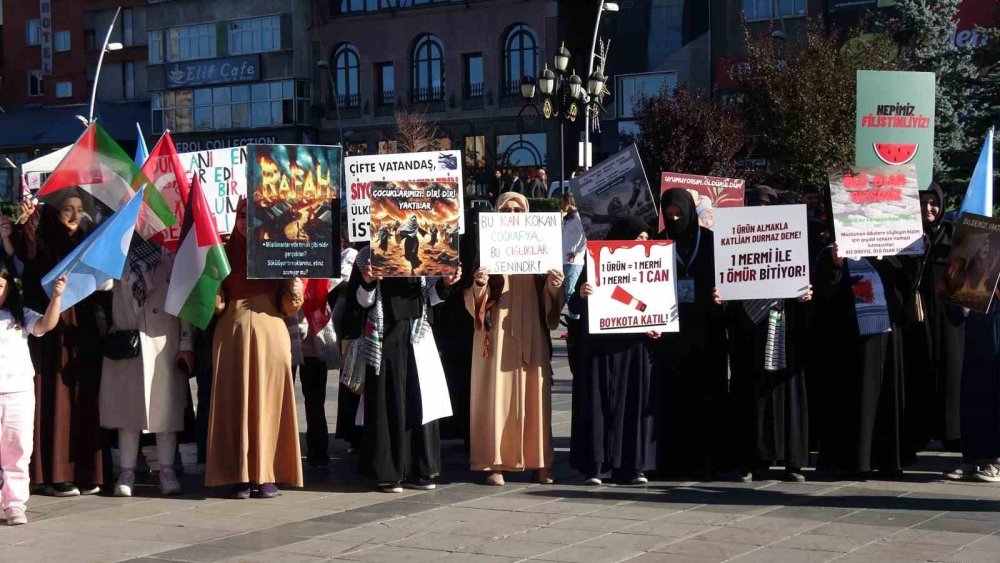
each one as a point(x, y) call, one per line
point(422, 484)
point(794, 475)
point(241, 491)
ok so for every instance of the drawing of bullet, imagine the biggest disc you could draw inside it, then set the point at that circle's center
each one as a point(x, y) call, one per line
point(622, 296)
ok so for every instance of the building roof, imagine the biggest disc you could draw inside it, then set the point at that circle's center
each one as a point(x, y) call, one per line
point(58, 126)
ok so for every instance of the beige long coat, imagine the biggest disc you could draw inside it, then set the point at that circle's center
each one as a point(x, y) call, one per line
point(511, 392)
point(147, 392)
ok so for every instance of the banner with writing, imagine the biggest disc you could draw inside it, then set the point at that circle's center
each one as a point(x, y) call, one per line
point(895, 121)
point(973, 263)
point(709, 193)
point(611, 191)
point(635, 290)
point(520, 243)
point(223, 176)
point(360, 171)
point(415, 228)
point(876, 211)
point(761, 252)
point(293, 214)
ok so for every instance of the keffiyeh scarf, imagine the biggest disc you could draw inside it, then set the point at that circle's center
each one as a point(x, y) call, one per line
point(143, 257)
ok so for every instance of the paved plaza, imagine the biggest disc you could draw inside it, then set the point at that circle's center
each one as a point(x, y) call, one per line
point(338, 516)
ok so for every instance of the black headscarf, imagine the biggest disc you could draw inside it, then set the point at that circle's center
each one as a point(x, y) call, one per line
point(628, 229)
point(935, 191)
point(685, 227)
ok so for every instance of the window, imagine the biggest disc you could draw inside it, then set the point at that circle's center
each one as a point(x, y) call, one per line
point(128, 37)
point(633, 87)
point(347, 75)
point(33, 35)
point(34, 83)
point(474, 75)
point(521, 150)
point(128, 79)
point(428, 69)
point(62, 42)
point(358, 6)
point(475, 151)
point(89, 40)
point(64, 89)
point(243, 106)
point(257, 35)
point(765, 9)
point(520, 58)
point(191, 42)
point(386, 95)
point(155, 47)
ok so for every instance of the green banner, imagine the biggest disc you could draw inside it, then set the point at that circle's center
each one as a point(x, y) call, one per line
point(895, 121)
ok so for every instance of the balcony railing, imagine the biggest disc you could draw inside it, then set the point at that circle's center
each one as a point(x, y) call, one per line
point(350, 105)
point(510, 94)
point(473, 96)
point(385, 102)
point(432, 97)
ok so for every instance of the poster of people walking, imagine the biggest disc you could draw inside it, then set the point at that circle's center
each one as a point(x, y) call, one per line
point(613, 190)
point(293, 217)
point(973, 263)
point(414, 228)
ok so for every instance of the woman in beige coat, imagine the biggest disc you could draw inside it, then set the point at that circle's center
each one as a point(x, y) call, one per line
point(146, 393)
point(510, 399)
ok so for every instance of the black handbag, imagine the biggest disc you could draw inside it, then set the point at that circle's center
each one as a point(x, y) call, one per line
point(122, 345)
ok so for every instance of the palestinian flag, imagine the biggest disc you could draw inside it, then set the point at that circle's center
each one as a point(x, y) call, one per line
point(99, 166)
point(200, 264)
point(166, 174)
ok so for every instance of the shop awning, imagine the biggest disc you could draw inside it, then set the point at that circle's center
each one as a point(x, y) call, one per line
point(57, 126)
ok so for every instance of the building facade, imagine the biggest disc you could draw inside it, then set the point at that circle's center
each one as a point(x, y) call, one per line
point(231, 72)
point(459, 64)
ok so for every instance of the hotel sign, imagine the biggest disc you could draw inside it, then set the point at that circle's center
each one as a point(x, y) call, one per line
point(45, 35)
point(213, 71)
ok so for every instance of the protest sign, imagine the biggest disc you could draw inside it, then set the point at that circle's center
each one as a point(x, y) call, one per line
point(520, 243)
point(709, 192)
point(415, 228)
point(613, 190)
point(876, 211)
point(761, 252)
point(223, 176)
point(895, 121)
point(444, 167)
point(973, 263)
point(293, 213)
point(634, 287)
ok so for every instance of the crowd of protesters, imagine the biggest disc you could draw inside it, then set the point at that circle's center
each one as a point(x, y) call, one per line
point(854, 377)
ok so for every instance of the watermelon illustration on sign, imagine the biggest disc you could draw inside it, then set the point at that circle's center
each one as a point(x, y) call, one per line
point(895, 153)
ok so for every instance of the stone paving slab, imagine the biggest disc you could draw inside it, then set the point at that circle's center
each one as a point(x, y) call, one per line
point(339, 516)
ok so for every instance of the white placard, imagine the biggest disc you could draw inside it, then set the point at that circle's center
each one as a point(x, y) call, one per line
point(361, 171)
point(223, 175)
point(761, 252)
point(876, 211)
point(635, 287)
point(520, 243)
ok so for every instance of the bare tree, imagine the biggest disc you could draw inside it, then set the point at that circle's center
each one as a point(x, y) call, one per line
point(414, 132)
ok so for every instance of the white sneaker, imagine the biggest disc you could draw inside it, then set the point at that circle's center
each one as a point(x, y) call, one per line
point(593, 482)
point(169, 485)
point(123, 488)
point(958, 473)
point(989, 473)
point(15, 516)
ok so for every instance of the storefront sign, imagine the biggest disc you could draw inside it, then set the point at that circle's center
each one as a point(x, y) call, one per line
point(895, 121)
point(761, 252)
point(361, 171)
point(196, 145)
point(634, 287)
point(245, 68)
point(520, 243)
point(876, 211)
point(45, 35)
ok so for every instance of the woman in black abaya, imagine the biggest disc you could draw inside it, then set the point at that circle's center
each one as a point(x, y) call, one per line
point(859, 304)
point(693, 390)
point(981, 394)
point(615, 391)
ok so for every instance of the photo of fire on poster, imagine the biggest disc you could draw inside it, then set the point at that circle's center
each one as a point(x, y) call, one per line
point(414, 228)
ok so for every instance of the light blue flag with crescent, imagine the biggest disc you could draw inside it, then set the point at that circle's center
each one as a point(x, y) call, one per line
point(99, 258)
point(141, 152)
point(979, 197)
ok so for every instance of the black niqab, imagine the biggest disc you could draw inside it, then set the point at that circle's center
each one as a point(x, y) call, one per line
point(684, 227)
point(628, 229)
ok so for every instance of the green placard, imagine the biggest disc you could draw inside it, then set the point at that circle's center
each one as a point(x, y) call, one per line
point(895, 121)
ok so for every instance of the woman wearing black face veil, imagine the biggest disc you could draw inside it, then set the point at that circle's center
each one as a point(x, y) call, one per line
point(693, 388)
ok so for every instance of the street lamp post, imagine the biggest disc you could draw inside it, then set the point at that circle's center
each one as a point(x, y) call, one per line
point(564, 97)
point(105, 48)
point(324, 64)
point(603, 7)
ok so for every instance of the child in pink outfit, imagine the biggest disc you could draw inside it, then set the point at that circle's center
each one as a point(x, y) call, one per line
point(17, 389)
